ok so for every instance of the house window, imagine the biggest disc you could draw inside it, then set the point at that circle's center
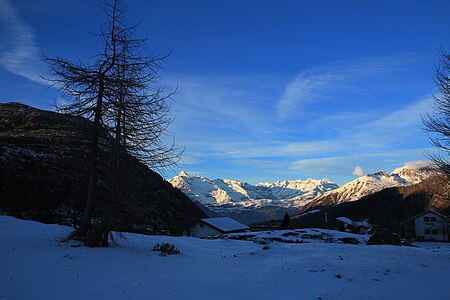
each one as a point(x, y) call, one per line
point(434, 231)
point(426, 219)
point(427, 231)
point(432, 219)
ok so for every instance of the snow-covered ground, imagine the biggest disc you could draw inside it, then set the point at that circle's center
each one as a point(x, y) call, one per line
point(34, 265)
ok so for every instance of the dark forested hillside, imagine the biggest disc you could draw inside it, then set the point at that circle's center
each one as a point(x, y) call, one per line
point(388, 207)
point(44, 171)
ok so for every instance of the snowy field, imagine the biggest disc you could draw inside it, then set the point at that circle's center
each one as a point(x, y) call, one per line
point(34, 265)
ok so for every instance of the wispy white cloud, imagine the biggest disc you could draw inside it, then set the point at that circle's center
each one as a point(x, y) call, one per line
point(201, 98)
point(19, 53)
point(324, 82)
point(386, 132)
point(263, 163)
point(406, 116)
point(417, 165)
point(191, 160)
point(306, 87)
point(313, 147)
point(395, 128)
point(239, 149)
point(220, 113)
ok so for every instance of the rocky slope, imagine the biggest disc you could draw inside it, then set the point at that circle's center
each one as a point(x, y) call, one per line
point(44, 171)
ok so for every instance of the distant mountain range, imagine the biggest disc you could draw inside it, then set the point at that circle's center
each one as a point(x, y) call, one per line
point(228, 196)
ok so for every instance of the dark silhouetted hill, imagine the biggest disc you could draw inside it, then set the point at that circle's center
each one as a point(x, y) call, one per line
point(44, 170)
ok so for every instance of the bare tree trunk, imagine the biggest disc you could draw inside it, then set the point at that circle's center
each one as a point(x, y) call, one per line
point(86, 221)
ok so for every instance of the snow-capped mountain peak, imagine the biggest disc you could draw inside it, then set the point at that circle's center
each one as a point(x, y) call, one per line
point(295, 184)
point(183, 174)
point(411, 173)
point(415, 172)
point(229, 194)
point(235, 194)
point(379, 174)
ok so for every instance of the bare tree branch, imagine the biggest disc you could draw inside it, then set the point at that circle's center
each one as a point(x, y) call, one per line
point(438, 123)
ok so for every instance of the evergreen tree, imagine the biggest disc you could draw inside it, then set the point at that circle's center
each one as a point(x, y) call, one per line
point(286, 221)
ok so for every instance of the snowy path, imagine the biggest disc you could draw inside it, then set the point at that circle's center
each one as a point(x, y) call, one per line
point(33, 265)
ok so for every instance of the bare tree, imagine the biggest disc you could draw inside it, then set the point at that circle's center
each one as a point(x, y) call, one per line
point(137, 114)
point(139, 108)
point(116, 90)
point(438, 123)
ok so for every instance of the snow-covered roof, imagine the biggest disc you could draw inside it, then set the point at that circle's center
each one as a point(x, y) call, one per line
point(354, 223)
point(345, 220)
point(225, 224)
point(365, 224)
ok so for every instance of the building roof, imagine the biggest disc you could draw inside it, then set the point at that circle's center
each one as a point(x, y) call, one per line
point(354, 223)
point(345, 220)
point(421, 214)
point(225, 224)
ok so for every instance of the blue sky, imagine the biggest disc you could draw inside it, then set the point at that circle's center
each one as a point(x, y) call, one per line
point(267, 90)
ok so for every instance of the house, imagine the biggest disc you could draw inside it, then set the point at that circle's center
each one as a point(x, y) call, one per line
point(428, 226)
point(215, 226)
point(345, 224)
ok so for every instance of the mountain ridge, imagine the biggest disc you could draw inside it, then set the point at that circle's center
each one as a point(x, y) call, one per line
point(219, 194)
point(411, 173)
point(226, 195)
